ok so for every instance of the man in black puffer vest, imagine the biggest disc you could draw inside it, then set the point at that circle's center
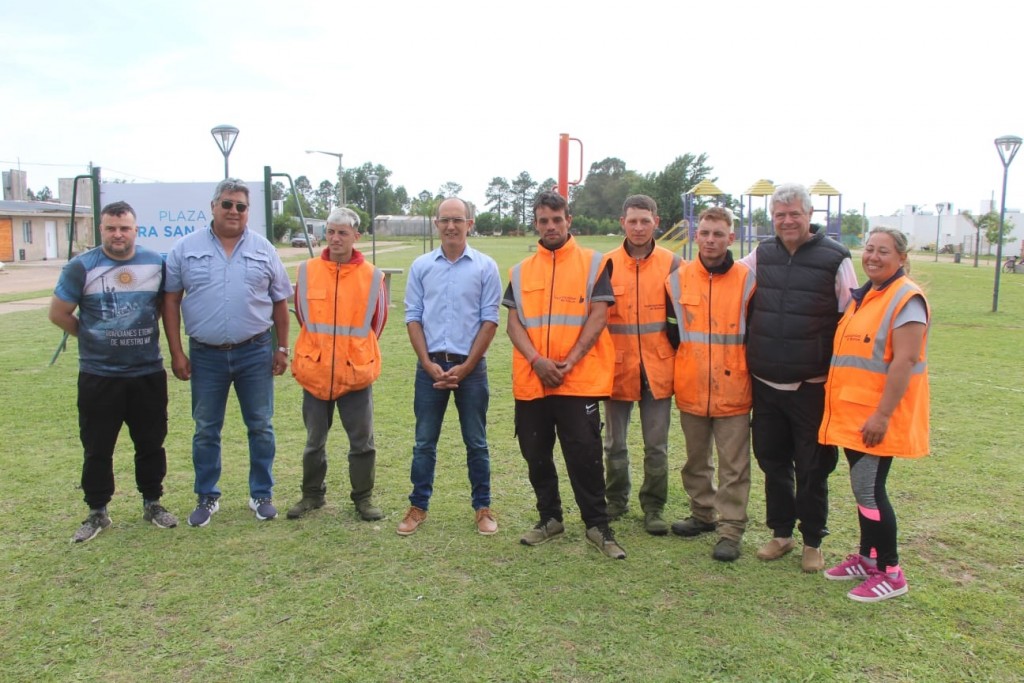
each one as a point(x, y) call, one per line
point(803, 285)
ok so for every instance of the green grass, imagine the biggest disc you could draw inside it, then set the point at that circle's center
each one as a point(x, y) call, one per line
point(335, 599)
point(8, 297)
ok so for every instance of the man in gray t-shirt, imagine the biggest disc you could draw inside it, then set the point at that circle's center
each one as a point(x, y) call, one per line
point(117, 291)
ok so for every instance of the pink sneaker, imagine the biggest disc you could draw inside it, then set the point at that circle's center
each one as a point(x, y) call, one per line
point(853, 567)
point(879, 586)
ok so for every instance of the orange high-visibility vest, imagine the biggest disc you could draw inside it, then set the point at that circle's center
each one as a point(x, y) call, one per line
point(552, 291)
point(637, 322)
point(860, 362)
point(336, 351)
point(711, 376)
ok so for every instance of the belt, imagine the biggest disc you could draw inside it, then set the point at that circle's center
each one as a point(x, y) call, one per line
point(228, 347)
point(445, 357)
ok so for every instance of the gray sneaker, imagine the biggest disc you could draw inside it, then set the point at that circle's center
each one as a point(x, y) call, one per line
point(93, 525)
point(305, 505)
point(602, 538)
point(368, 512)
point(542, 532)
point(157, 514)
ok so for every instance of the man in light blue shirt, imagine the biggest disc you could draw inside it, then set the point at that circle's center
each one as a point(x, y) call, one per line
point(231, 287)
point(451, 315)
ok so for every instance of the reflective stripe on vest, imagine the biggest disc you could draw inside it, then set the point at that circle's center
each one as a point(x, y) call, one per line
point(877, 363)
point(696, 337)
point(338, 330)
point(552, 320)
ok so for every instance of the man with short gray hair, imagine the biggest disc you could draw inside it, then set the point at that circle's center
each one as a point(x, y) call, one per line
point(804, 280)
point(230, 286)
point(342, 306)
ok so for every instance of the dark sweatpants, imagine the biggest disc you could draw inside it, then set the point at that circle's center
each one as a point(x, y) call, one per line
point(796, 467)
point(577, 422)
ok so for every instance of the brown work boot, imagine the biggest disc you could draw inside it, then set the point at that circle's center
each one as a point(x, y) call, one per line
point(776, 548)
point(413, 518)
point(485, 523)
point(812, 561)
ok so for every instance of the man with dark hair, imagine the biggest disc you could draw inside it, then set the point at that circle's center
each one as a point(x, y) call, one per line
point(643, 363)
point(121, 380)
point(451, 315)
point(230, 286)
point(562, 367)
point(804, 280)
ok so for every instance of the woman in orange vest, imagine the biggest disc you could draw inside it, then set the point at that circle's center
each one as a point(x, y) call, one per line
point(876, 405)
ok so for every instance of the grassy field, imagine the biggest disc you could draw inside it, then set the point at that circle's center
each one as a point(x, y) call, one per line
point(334, 599)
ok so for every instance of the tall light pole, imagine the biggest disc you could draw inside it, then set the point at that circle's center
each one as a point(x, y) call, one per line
point(372, 179)
point(341, 173)
point(938, 228)
point(225, 137)
point(1007, 146)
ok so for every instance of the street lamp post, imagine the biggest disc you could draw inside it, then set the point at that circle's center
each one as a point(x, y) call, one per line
point(225, 137)
point(372, 179)
point(1007, 146)
point(341, 173)
point(938, 228)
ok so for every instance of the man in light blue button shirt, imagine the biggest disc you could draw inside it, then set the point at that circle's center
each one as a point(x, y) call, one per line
point(231, 287)
point(451, 315)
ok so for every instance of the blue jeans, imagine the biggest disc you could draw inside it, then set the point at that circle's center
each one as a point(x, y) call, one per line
point(429, 405)
point(249, 368)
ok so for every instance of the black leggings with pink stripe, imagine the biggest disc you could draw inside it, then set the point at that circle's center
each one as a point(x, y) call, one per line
point(874, 511)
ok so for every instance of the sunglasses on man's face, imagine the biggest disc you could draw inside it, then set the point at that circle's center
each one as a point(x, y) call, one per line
point(227, 205)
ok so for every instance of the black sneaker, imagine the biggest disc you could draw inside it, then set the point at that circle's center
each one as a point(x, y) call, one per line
point(602, 538)
point(691, 526)
point(91, 527)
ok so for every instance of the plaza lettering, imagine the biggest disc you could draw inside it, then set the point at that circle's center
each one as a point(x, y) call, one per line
point(167, 231)
point(187, 215)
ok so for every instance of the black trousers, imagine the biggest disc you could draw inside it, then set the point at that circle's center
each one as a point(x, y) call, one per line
point(104, 404)
point(577, 423)
point(796, 467)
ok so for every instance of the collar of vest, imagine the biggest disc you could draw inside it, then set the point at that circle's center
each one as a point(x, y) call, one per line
point(722, 268)
point(568, 248)
point(859, 293)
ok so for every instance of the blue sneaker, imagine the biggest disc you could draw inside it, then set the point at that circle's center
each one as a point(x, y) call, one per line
point(263, 507)
point(204, 511)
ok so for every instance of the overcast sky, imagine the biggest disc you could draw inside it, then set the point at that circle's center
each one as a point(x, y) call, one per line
point(892, 103)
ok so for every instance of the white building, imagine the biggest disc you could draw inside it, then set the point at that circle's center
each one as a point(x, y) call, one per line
point(925, 227)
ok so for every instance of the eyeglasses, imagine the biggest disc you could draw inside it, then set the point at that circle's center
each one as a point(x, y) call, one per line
point(457, 222)
point(227, 205)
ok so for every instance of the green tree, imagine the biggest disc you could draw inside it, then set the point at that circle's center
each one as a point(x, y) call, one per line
point(678, 177)
point(450, 189)
point(991, 221)
point(277, 190)
point(522, 191)
point(606, 186)
point(284, 224)
point(44, 195)
point(981, 223)
point(390, 200)
point(323, 198)
point(854, 226)
point(499, 196)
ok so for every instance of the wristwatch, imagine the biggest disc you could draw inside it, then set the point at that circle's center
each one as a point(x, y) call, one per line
point(284, 349)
